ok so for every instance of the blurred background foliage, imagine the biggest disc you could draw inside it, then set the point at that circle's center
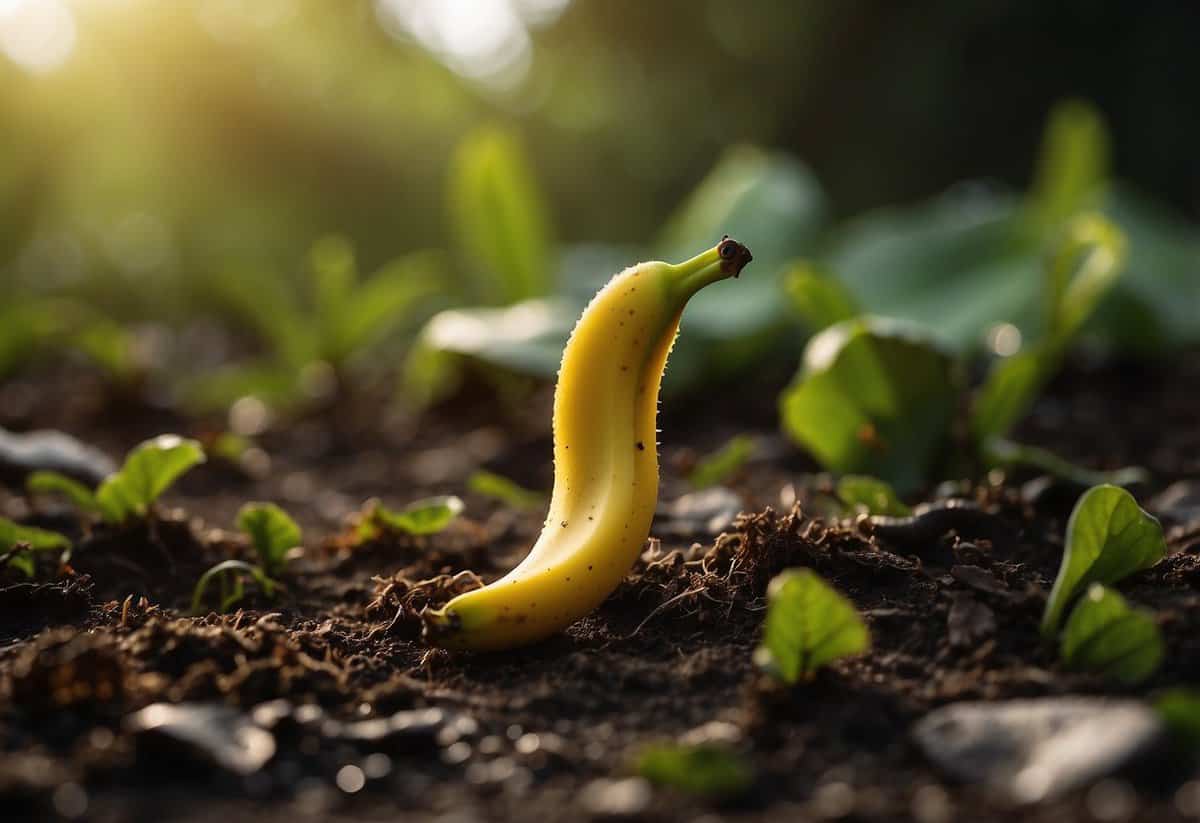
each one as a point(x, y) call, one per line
point(275, 197)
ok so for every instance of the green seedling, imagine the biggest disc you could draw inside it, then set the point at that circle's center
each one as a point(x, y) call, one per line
point(424, 517)
point(1180, 710)
point(704, 770)
point(1106, 636)
point(498, 487)
point(18, 544)
point(809, 625)
point(724, 463)
point(1108, 538)
point(1002, 453)
point(272, 532)
point(130, 493)
point(874, 496)
point(313, 342)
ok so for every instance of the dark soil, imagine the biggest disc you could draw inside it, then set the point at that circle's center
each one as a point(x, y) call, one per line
point(530, 735)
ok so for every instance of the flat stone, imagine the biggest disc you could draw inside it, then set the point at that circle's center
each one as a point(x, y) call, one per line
point(52, 450)
point(706, 512)
point(1027, 751)
point(213, 732)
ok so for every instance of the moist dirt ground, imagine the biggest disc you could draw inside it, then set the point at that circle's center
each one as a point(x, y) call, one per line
point(548, 733)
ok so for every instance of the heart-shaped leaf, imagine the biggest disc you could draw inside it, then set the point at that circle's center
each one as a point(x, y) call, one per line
point(1104, 635)
point(148, 471)
point(809, 625)
point(272, 533)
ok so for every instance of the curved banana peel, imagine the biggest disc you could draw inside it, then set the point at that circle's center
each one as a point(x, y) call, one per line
point(605, 460)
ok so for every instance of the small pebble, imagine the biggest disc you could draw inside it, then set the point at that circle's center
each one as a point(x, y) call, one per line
point(350, 779)
point(833, 801)
point(70, 800)
point(616, 798)
point(377, 765)
point(1111, 801)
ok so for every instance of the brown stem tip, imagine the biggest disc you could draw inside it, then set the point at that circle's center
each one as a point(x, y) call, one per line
point(734, 256)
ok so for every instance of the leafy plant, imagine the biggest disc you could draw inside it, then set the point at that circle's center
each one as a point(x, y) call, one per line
point(1108, 538)
point(500, 218)
point(498, 487)
point(1104, 635)
point(423, 517)
point(232, 575)
point(873, 397)
point(148, 471)
point(808, 625)
point(722, 464)
point(706, 770)
point(272, 533)
point(17, 542)
point(875, 496)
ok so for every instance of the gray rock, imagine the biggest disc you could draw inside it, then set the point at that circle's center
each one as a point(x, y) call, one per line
point(700, 513)
point(1178, 503)
point(1032, 750)
point(51, 450)
point(219, 734)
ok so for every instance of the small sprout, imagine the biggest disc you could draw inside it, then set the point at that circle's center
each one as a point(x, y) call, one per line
point(724, 463)
point(149, 470)
point(233, 575)
point(877, 497)
point(498, 487)
point(1109, 537)
point(1103, 634)
point(428, 516)
point(51, 482)
point(17, 542)
point(1180, 710)
point(809, 625)
point(706, 770)
point(272, 533)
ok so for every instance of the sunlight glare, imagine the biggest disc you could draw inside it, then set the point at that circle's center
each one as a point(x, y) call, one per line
point(37, 35)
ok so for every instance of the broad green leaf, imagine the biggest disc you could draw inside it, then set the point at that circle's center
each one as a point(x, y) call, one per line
point(871, 494)
point(770, 202)
point(809, 625)
point(232, 592)
point(272, 533)
point(1109, 537)
point(706, 770)
point(1002, 453)
point(49, 482)
point(1104, 635)
point(716, 468)
point(500, 218)
point(873, 397)
point(958, 264)
point(1008, 393)
point(428, 516)
point(506, 491)
point(13, 535)
point(1180, 710)
point(148, 471)
point(821, 300)
point(1073, 166)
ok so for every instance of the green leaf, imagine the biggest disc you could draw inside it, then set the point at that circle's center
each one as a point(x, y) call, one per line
point(705, 770)
point(1083, 268)
point(809, 625)
point(872, 494)
point(497, 487)
point(1002, 453)
point(769, 201)
point(428, 516)
point(226, 569)
point(1008, 393)
point(13, 535)
point(266, 302)
point(1073, 166)
point(499, 216)
point(386, 302)
point(1104, 635)
point(275, 383)
point(1108, 538)
point(109, 345)
point(722, 464)
point(148, 471)
point(820, 299)
point(1180, 710)
point(873, 397)
point(272, 533)
point(50, 482)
